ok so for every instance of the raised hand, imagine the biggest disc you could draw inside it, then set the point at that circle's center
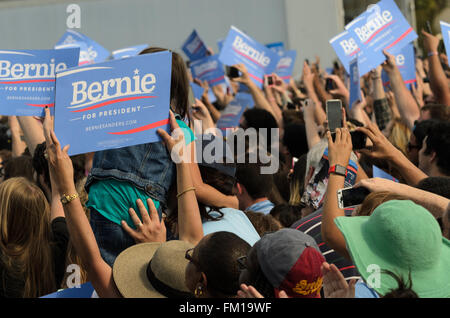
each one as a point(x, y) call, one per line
point(151, 229)
point(334, 283)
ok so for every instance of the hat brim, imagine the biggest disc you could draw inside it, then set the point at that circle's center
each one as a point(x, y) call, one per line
point(434, 283)
point(130, 271)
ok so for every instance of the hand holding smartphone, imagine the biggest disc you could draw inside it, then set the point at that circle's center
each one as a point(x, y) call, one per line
point(348, 197)
point(232, 72)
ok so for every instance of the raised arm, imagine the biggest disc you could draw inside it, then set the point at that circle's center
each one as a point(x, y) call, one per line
point(434, 203)
point(436, 74)
point(32, 131)
point(257, 94)
point(409, 110)
point(189, 221)
point(81, 235)
point(339, 153)
point(308, 80)
point(382, 149)
point(18, 146)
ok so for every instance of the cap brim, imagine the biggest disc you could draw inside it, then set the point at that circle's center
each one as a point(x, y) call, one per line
point(130, 271)
point(433, 283)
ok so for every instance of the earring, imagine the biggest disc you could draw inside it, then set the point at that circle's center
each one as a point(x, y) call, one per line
point(198, 291)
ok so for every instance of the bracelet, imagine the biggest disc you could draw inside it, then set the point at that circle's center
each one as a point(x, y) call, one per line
point(188, 189)
point(68, 198)
point(432, 53)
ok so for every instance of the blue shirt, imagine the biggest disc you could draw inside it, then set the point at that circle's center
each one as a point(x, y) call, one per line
point(263, 207)
point(234, 221)
point(364, 291)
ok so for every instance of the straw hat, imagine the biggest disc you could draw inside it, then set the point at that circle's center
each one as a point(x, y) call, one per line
point(152, 270)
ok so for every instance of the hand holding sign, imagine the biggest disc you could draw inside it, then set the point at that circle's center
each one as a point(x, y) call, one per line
point(175, 141)
point(59, 162)
point(389, 65)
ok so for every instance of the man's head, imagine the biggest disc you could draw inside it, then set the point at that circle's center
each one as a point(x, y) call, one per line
point(434, 156)
point(251, 184)
point(434, 111)
point(419, 133)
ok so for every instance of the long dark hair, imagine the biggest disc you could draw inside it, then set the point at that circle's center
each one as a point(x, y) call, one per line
point(179, 86)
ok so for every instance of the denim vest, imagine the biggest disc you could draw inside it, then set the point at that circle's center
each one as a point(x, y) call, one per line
point(147, 166)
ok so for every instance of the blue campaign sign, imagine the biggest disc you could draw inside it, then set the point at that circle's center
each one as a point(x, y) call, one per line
point(241, 48)
point(220, 44)
point(232, 114)
point(113, 104)
point(381, 26)
point(128, 51)
point(406, 63)
point(194, 47)
point(445, 30)
point(95, 51)
point(346, 48)
point(285, 66)
point(85, 58)
point(197, 90)
point(27, 79)
point(85, 290)
point(209, 69)
point(379, 173)
point(277, 47)
point(355, 83)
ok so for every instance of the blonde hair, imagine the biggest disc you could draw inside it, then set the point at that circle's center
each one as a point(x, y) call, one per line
point(25, 238)
point(399, 135)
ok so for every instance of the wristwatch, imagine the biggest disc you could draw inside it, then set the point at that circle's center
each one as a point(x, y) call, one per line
point(338, 169)
point(67, 198)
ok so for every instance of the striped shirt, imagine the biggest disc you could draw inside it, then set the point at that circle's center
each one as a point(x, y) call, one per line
point(311, 225)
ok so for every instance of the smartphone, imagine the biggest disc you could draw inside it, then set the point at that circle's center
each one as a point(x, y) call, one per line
point(359, 139)
point(307, 61)
point(232, 72)
point(429, 27)
point(329, 85)
point(348, 197)
point(269, 80)
point(334, 114)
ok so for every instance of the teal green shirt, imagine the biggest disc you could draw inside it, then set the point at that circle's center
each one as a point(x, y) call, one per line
point(113, 198)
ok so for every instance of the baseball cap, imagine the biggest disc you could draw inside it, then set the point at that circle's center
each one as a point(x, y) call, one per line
point(291, 261)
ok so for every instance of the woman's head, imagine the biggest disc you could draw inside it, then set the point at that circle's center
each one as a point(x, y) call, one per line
point(179, 86)
point(400, 135)
point(297, 181)
point(374, 199)
point(213, 270)
point(25, 235)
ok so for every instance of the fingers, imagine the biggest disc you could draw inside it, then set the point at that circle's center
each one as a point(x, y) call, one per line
point(153, 212)
point(173, 122)
point(368, 132)
point(128, 229)
point(143, 211)
point(136, 221)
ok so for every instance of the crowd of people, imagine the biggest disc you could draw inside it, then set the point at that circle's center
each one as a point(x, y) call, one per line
point(149, 221)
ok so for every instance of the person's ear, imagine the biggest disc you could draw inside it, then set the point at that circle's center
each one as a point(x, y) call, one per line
point(239, 188)
point(433, 157)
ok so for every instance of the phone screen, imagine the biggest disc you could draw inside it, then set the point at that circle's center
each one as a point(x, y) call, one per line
point(358, 140)
point(353, 196)
point(334, 114)
point(329, 85)
point(232, 72)
point(269, 80)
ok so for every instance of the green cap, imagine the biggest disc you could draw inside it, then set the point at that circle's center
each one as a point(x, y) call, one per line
point(402, 237)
